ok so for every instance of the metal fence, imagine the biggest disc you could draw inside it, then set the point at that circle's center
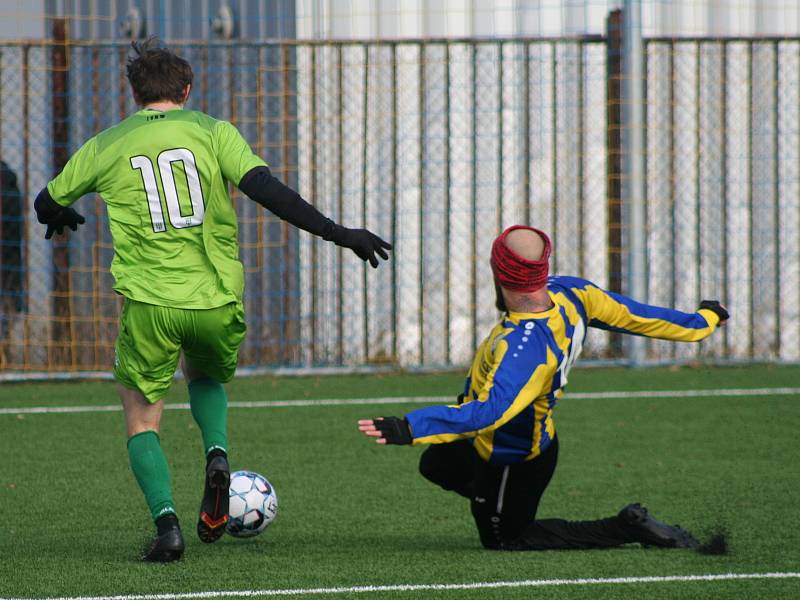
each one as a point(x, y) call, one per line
point(436, 145)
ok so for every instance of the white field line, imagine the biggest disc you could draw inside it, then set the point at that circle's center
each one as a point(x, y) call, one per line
point(527, 583)
point(777, 391)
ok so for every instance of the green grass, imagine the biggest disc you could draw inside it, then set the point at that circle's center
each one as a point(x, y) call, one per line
point(353, 513)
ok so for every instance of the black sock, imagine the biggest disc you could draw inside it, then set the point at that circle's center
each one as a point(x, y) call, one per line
point(165, 523)
point(215, 453)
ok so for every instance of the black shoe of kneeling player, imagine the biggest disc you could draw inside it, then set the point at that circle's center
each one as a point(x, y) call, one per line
point(167, 547)
point(651, 532)
point(214, 508)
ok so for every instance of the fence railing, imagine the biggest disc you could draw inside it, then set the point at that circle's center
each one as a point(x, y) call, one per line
point(436, 145)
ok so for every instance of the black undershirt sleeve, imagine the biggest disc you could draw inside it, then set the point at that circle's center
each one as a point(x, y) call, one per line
point(261, 186)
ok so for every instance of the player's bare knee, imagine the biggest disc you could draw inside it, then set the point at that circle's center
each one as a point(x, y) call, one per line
point(140, 414)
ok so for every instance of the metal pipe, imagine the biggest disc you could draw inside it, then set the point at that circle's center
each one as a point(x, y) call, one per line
point(776, 190)
point(340, 202)
point(633, 163)
point(421, 213)
point(364, 175)
point(394, 195)
point(447, 202)
point(473, 209)
point(313, 174)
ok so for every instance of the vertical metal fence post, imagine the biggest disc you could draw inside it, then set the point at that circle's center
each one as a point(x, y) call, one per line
point(62, 334)
point(3, 236)
point(776, 190)
point(288, 311)
point(394, 194)
point(526, 128)
point(500, 124)
point(671, 162)
point(204, 79)
point(313, 176)
point(724, 175)
point(340, 200)
point(447, 142)
point(614, 157)
point(473, 209)
point(555, 155)
point(25, 189)
point(633, 164)
point(581, 93)
point(421, 87)
point(750, 223)
point(364, 176)
point(697, 182)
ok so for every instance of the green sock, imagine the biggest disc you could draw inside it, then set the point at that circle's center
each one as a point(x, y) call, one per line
point(209, 405)
point(151, 471)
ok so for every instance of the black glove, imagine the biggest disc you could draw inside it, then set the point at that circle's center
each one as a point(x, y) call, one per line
point(66, 217)
point(394, 430)
point(361, 241)
point(717, 308)
point(460, 399)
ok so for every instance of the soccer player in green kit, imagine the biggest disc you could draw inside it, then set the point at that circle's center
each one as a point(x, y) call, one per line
point(163, 175)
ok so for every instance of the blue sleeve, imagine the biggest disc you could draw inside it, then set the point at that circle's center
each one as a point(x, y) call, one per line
point(615, 312)
point(519, 376)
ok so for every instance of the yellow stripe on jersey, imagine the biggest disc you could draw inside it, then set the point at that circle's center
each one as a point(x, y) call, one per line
point(519, 371)
point(621, 313)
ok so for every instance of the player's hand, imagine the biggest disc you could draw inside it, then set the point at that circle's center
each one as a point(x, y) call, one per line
point(388, 430)
point(66, 217)
point(364, 243)
point(717, 308)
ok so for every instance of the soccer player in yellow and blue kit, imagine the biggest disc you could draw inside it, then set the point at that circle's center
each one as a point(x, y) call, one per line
point(498, 446)
point(163, 173)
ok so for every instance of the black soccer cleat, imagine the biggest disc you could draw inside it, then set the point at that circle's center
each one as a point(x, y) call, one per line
point(651, 532)
point(214, 508)
point(167, 547)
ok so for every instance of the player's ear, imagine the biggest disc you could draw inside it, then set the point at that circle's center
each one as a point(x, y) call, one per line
point(135, 97)
point(186, 92)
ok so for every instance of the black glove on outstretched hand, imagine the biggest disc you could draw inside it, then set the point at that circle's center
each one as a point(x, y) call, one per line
point(56, 217)
point(717, 308)
point(361, 241)
point(66, 217)
point(394, 430)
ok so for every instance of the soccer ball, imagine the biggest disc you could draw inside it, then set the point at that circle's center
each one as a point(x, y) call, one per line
point(253, 504)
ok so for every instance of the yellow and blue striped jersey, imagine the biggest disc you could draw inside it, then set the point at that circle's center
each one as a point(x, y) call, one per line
point(520, 370)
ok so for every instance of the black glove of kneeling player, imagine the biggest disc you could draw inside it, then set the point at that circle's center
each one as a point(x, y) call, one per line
point(717, 308)
point(394, 430)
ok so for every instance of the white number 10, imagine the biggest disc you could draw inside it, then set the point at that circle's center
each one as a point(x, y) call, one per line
point(165, 160)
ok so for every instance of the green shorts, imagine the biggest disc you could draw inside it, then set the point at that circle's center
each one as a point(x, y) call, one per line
point(151, 338)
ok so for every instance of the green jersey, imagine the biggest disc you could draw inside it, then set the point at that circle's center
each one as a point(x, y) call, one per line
point(163, 177)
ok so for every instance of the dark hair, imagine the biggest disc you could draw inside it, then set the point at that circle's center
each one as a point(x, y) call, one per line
point(157, 74)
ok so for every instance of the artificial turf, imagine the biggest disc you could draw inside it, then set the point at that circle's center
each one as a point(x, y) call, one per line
point(353, 513)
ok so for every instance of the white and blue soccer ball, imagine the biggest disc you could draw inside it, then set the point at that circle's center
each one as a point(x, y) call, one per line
point(253, 504)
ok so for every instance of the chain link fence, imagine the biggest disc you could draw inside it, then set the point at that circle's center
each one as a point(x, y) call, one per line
point(436, 145)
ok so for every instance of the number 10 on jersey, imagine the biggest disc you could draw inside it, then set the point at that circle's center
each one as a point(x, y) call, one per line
point(165, 161)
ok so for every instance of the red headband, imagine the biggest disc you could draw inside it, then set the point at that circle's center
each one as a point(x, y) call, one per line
point(516, 273)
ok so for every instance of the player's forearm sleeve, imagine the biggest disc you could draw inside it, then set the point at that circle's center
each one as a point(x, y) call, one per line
point(262, 187)
point(615, 312)
point(516, 381)
point(46, 208)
